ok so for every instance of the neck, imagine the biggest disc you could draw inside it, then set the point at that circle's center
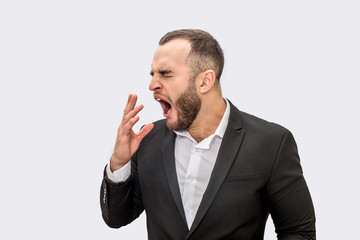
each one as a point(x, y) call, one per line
point(208, 118)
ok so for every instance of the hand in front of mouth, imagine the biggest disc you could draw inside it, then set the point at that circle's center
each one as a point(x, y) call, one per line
point(127, 141)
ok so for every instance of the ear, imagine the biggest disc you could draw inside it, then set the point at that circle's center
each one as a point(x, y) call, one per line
point(206, 81)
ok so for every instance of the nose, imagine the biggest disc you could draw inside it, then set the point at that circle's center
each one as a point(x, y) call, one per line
point(154, 84)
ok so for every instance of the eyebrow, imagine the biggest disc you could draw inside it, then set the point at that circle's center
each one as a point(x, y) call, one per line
point(162, 72)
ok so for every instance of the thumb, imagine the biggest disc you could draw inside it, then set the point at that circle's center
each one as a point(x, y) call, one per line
point(145, 131)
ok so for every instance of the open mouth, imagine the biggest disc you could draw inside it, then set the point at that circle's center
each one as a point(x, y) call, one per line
point(166, 106)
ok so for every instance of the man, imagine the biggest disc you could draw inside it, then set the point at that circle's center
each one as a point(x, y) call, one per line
point(207, 171)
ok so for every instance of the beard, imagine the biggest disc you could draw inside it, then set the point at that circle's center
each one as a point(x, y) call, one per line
point(187, 106)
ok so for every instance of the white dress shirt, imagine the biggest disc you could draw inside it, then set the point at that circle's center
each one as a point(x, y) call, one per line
point(194, 164)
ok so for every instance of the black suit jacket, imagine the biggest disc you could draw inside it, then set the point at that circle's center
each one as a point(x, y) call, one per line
point(257, 172)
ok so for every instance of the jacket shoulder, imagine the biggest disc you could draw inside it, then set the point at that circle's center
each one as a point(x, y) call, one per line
point(251, 122)
point(256, 126)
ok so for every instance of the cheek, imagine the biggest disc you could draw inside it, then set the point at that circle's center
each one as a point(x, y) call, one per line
point(173, 96)
point(176, 87)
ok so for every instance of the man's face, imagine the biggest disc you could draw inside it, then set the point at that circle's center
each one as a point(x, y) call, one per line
point(172, 86)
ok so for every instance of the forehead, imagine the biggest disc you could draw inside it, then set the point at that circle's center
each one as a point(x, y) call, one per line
point(172, 54)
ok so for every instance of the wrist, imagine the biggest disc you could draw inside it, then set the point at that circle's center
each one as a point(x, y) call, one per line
point(116, 164)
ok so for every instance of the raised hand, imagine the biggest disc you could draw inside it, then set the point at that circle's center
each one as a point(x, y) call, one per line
point(127, 141)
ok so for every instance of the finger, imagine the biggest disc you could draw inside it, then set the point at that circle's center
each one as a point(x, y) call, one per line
point(131, 103)
point(128, 101)
point(129, 125)
point(132, 114)
point(129, 98)
point(145, 131)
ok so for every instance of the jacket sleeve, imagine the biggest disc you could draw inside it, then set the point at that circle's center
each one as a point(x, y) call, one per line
point(288, 196)
point(121, 202)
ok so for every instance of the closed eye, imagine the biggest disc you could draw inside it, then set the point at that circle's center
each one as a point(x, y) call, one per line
point(164, 73)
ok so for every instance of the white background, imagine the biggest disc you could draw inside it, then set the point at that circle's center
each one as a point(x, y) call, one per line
point(66, 68)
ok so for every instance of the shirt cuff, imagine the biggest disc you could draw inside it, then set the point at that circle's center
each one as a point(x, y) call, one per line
point(120, 175)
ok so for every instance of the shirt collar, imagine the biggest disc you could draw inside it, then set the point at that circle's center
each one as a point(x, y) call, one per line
point(220, 130)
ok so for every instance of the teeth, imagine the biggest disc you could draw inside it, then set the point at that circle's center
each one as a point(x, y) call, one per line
point(168, 111)
point(158, 99)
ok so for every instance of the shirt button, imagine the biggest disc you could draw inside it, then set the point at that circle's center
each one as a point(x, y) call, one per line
point(188, 210)
point(191, 179)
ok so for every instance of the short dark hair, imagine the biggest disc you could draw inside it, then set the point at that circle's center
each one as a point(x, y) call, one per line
point(205, 52)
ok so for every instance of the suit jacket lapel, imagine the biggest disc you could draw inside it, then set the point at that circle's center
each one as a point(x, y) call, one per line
point(229, 148)
point(170, 169)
